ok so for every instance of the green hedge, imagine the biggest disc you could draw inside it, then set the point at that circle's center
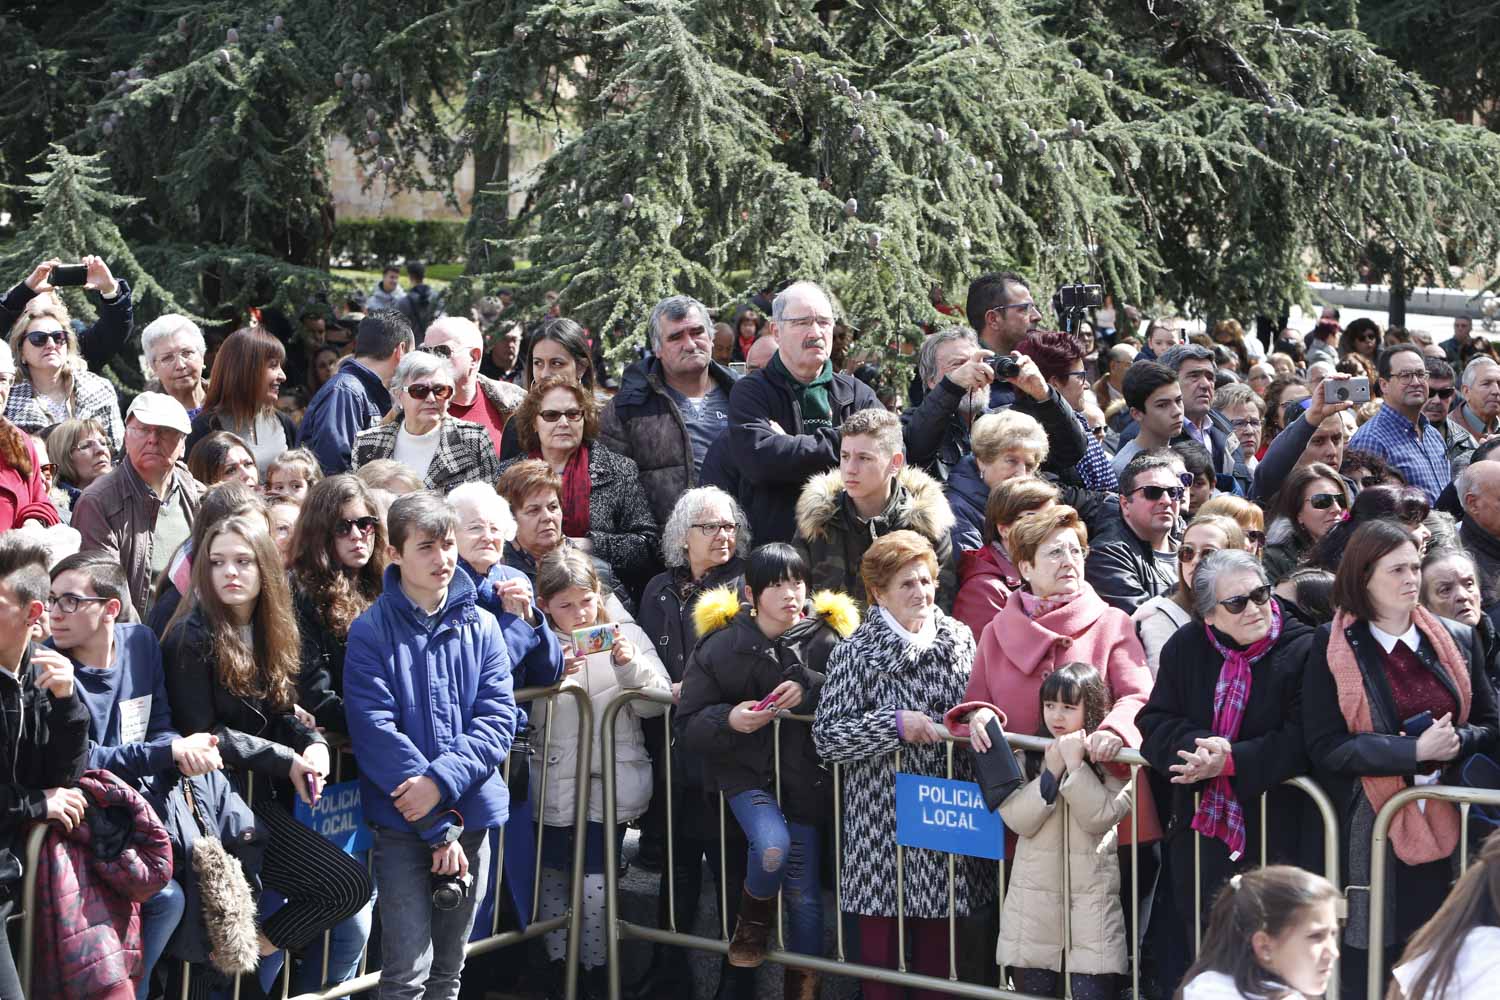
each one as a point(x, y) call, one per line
point(369, 243)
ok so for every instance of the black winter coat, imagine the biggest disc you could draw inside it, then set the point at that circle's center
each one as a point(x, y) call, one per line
point(643, 423)
point(739, 663)
point(206, 422)
point(937, 438)
point(773, 467)
point(666, 613)
point(99, 343)
point(1124, 570)
point(321, 684)
point(253, 736)
point(1340, 758)
point(44, 743)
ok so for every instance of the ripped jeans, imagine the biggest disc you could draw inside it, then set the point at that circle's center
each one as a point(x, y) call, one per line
point(783, 856)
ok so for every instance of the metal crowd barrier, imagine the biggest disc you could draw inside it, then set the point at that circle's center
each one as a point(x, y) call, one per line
point(571, 920)
point(618, 929)
point(1466, 798)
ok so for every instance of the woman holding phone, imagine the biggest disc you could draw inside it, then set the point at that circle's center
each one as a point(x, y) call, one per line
point(232, 663)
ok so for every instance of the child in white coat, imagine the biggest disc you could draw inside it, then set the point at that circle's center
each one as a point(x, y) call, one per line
point(1074, 701)
point(619, 658)
point(1273, 935)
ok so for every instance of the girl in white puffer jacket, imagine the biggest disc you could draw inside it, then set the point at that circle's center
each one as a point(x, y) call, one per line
point(569, 591)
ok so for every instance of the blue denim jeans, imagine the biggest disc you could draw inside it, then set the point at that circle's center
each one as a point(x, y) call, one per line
point(421, 947)
point(784, 857)
point(159, 917)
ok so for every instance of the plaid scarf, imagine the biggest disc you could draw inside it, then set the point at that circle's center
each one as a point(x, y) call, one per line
point(1219, 812)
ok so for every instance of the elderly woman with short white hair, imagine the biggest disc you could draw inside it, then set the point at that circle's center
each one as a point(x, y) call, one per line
point(1006, 445)
point(421, 435)
point(1224, 724)
point(172, 359)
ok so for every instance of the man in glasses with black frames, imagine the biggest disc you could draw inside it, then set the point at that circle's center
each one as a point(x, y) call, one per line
point(1400, 432)
point(784, 420)
point(1135, 557)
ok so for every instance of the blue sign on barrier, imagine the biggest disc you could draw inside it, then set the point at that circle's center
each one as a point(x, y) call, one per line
point(337, 817)
point(944, 815)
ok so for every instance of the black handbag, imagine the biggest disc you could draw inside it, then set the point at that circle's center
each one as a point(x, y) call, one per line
point(998, 771)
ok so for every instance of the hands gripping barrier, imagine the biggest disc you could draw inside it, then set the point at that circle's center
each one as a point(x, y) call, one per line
point(618, 929)
point(496, 939)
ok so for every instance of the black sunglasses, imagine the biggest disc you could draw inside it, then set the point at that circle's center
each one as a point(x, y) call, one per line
point(38, 338)
point(1444, 393)
point(1187, 552)
point(1322, 501)
point(1235, 605)
point(1155, 493)
point(364, 525)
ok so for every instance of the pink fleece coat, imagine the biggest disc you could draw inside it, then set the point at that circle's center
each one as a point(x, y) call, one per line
point(1016, 653)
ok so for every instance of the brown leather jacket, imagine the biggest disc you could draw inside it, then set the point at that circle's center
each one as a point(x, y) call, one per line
point(117, 515)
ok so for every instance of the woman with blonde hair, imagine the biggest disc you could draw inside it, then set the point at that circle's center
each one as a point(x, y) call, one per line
point(80, 450)
point(1005, 445)
point(1242, 512)
point(53, 382)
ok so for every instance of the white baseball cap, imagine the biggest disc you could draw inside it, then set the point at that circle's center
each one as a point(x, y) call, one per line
point(160, 410)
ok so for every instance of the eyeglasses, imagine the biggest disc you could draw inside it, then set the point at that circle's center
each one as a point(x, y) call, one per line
point(719, 528)
point(1187, 552)
point(186, 354)
point(421, 390)
point(1155, 493)
point(1322, 501)
point(1081, 376)
point(1444, 393)
point(1256, 538)
point(1245, 423)
point(808, 322)
point(39, 338)
point(553, 416)
point(1028, 304)
point(1099, 431)
point(70, 603)
point(1060, 552)
point(1419, 375)
point(441, 350)
point(364, 525)
point(1235, 605)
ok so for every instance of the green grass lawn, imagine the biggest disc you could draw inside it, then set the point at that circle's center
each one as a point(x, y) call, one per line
point(438, 275)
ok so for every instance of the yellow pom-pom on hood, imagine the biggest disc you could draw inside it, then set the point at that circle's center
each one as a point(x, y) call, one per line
point(838, 610)
point(715, 609)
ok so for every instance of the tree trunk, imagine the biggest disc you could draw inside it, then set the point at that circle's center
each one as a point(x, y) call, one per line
point(1396, 308)
point(491, 210)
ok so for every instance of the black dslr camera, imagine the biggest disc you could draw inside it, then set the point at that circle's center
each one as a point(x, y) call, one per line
point(450, 891)
point(1005, 366)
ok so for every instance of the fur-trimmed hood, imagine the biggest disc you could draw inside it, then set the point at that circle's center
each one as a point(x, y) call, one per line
point(717, 608)
point(916, 503)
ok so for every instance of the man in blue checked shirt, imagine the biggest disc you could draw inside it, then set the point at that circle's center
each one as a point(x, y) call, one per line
point(1399, 432)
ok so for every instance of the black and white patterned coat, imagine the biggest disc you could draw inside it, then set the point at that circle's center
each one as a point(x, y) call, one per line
point(871, 675)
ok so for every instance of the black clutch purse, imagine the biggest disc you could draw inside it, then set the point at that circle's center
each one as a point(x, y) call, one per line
point(997, 771)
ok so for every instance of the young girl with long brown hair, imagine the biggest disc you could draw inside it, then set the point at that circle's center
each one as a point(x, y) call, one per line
point(1456, 954)
point(232, 665)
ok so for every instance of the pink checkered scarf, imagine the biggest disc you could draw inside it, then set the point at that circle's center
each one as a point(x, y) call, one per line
point(1219, 812)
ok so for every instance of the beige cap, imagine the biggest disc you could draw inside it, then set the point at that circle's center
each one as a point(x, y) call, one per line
point(160, 410)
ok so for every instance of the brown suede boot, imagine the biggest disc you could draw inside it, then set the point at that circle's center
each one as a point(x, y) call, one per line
point(799, 984)
point(747, 949)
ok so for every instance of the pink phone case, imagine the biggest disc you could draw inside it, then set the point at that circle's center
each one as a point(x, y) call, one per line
point(764, 703)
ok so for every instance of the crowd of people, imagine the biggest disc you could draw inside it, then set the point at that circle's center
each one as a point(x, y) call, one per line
point(1209, 550)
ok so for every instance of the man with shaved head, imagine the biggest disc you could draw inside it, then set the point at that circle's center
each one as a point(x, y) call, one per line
point(477, 399)
point(1479, 492)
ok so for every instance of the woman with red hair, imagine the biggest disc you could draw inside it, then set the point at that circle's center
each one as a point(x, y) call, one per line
point(23, 494)
point(1059, 357)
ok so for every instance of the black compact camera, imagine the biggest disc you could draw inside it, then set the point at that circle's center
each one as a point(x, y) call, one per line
point(450, 891)
point(1005, 366)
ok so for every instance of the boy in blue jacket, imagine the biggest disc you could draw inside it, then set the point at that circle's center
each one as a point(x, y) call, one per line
point(428, 696)
point(117, 673)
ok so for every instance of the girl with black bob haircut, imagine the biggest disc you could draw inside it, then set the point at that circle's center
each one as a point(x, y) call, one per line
point(1273, 935)
point(764, 651)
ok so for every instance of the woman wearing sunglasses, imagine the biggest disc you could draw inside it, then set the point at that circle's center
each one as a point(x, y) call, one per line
point(1223, 725)
point(1158, 619)
point(420, 434)
point(53, 382)
point(604, 507)
point(1405, 505)
point(1313, 500)
point(1392, 696)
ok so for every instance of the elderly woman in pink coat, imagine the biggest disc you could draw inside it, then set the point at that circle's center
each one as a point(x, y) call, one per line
point(1055, 619)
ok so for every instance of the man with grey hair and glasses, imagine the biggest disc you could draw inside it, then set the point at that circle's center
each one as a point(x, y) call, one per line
point(1475, 415)
point(672, 405)
point(784, 419)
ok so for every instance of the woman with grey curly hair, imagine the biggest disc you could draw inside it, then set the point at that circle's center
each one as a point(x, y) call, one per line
point(704, 545)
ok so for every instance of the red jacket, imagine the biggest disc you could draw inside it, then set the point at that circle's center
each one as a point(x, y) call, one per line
point(986, 580)
point(88, 929)
point(1016, 652)
point(21, 498)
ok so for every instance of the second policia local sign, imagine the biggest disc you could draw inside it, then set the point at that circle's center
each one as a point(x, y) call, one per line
point(945, 815)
